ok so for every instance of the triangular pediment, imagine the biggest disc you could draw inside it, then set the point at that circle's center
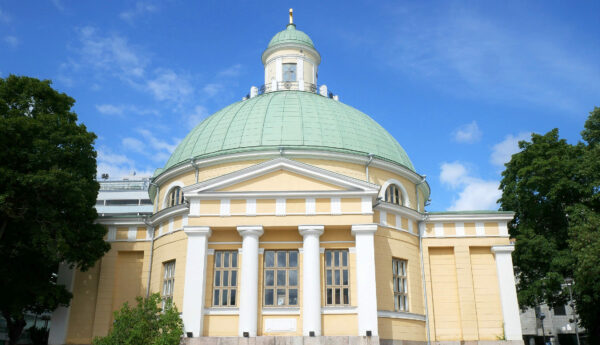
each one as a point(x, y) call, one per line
point(281, 175)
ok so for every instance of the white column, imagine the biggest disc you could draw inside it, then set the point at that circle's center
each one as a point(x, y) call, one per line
point(311, 279)
point(249, 279)
point(300, 73)
point(194, 287)
point(365, 271)
point(508, 292)
point(279, 69)
point(59, 322)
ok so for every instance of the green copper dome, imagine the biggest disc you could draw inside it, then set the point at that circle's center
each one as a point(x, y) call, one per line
point(292, 120)
point(291, 35)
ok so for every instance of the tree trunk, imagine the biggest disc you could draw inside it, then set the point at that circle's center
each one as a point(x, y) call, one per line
point(15, 327)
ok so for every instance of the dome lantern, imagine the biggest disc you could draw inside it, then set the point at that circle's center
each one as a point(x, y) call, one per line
point(291, 61)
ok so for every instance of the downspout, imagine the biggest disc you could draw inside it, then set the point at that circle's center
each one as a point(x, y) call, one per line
point(417, 192)
point(367, 166)
point(421, 232)
point(151, 257)
point(193, 163)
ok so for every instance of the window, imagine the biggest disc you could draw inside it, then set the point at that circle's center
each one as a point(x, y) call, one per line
point(337, 281)
point(560, 310)
point(145, 202)
point(175, 197)
point(281, 278)
point(393, 194)
point(122, 202)
point(168, 282)
point(225, 281)
point(289, 72)
point(400, 285)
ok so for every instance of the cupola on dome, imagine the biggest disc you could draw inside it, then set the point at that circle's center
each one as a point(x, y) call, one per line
point(291, 36)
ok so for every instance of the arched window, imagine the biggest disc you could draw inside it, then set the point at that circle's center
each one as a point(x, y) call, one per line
point(175, 197)
point(393, 194)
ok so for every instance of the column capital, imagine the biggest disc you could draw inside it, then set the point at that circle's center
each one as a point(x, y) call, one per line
point(197, 231)
point(358, 229)
point(505, 249)
point(305, 230)
point(250, 230)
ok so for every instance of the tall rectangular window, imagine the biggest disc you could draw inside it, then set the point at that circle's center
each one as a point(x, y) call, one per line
point(168, 282)
point(281, 278)
point(289, 72)
point(225, 279)
point(400, 285)
point(337, 280)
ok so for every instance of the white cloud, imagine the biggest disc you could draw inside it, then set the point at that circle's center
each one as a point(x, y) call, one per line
point(168, 85)
point(59, 5)
point(111, 158)
point(12, 41)
point(141, 8)
point(468, 133)
point(117, 166)
point(503, 151)
point(212, 89)
point(474, 194)
point(133, 144)
point(5, 17)
point(158, 144)
point(232, 71)
point(109, 109)
point(199, 114)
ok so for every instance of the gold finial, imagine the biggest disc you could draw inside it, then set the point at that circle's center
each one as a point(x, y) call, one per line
point(291, 16)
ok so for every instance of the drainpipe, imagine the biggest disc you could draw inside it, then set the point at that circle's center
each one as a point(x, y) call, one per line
point(193, 163)
point(370, 155)
point(151, 257)
point(155, 208)
point(417, 190)
point(421, 226)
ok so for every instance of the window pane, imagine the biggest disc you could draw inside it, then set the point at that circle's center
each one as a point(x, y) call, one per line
point(293, 296)
point(269, 277)
point(329, 296)
point(281, 278)
point(270, 259)
point(232, 297)
point(328, 258)
point(395, 267)
point(280, 296)
point(336, 258)
point(395, 285)
point(218, 259)
point(226, 259)
point(337, 277)
point(337, 296)
point(269, 297)
point(233, 278)
point(218, 278)
point(216, 299)
point(344, 258)
point(281, 261)
point(401, 302)
point(396, 305)
point(293, 259)
point(328, 277)
point(345, 276)
point(224, 297)
point(405, 287)
point(346, 297)
point(293, 277)
point(225, 278)
point(234, 259)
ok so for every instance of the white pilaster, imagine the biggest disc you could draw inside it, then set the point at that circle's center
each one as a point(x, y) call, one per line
point(59, 322)
point(225, 207)
point(365, 270)
point(300, 73)
point(132, 233)
point(310, 206)
point(251, 207)
point(194, 287)
point(249, 279)
point(311, 279)
point(508, 292)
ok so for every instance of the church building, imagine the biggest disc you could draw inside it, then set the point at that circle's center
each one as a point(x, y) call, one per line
point(292, 217)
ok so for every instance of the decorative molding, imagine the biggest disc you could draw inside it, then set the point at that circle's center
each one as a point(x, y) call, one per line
point(469, 218)
point(197, 231)
point(479, 229)
point(338, 310)
point(169, 212)
point(386, 184)
point(311, 230)
point(400, 315)
point(310, 206)
point(221, 311)
point(336, 206)
point(280, 206)
point(225, 208)
point(168, 190)
point(281, 311)
point(403, 211)
point(509, 248)
point(364, 229)
point(438, 229)
point(251, 207)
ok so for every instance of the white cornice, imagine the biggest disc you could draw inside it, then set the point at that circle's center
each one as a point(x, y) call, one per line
point(468, 217)
point(400, 315)
point(277, 47)
point(121, 221)
point(400, 210)
point(278, 194)
point(358, 186)
point(169, 212)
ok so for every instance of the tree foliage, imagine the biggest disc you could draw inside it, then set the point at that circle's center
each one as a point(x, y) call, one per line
point(554, 189)
point(145, 324)
point(47, 196)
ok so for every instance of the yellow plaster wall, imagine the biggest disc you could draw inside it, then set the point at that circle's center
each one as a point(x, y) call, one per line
point(140, 233)
point(491, 228)
point(470, 229)
point(281, 180)
point(449, 229)
point(295, 206)
point(402, 329)
point(237, 206)
point(122, 232)
point(128, 278)
point(278, 221)
point(356, 171)
point(221, 325)
point(83, 305)
point(323, 205)
point(265, 206)
point(187, 178)
point(210, 206)
point(444, 286)
point(487, 294)
point(390, 244)
point(170, 247)
point(351, 205)
point(339, 324)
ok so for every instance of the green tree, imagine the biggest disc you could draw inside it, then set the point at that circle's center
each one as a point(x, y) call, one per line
point(145, 324)
point(47, 196)
point(554, 189)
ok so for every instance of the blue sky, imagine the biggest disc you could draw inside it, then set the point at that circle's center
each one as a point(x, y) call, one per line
point(456, 83)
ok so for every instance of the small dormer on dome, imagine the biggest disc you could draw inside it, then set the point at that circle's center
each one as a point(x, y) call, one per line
point(291, 61)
